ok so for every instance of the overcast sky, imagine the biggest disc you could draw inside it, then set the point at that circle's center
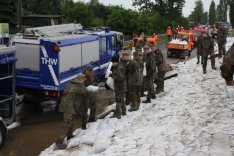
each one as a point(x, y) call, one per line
point(189, 5)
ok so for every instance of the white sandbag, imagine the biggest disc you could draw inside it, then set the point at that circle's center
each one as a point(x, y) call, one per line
point(108, 71)
point(110, 83)
point(144, 70)
point(91, 88)
point(230, 91)
point(183, 42)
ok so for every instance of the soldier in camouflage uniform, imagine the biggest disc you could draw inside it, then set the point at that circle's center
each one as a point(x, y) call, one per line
point(134, 73)
point(124, 60)
point(161, 65)
point(75, 94)
point(221, 38)
point(208, 49)
point(120, 85)
point(91, 79)
point(227, 68)
point(150, 72)
point(199, 49)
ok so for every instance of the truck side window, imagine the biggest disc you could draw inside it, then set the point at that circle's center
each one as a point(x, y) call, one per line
point(104, 45)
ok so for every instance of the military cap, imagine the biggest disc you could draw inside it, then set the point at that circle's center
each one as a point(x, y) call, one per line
point(89, 67)
point(114, 59)
point(146, 47)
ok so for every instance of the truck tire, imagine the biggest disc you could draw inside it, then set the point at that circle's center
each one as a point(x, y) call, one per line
point(2, 135)
point(168, 53)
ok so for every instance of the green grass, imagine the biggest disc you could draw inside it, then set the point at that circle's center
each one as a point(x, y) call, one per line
point(162, 38)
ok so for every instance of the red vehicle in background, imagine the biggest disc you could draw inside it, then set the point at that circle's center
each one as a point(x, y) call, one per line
point(197, 31)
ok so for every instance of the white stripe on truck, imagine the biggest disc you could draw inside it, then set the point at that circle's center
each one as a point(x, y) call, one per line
point(52, 73)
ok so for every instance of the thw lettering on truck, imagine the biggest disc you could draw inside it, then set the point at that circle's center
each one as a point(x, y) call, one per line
point(49, 61)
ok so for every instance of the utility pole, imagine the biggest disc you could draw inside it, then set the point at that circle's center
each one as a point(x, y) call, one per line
point(20, 14)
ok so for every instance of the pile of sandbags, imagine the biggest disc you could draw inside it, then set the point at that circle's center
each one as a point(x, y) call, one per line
point(176, 41)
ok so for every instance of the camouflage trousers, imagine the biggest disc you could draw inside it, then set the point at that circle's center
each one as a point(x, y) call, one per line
point(143, 85)
point(68, 122)
point(127, 98)
point(67, 126)
point(198, 58)
point(205, 59)
point(149, 87)
point(93, 106)
point(135, 99)
point(222, 49)
point(159, 81)
point(120, 105)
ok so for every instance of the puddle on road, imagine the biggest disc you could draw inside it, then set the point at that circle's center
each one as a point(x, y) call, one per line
point(37, 132)
point(40, 129)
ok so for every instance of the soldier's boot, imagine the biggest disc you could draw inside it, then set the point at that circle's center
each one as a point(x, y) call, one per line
point(117, 113)
point(127, 101)
point(157, 91)
point(148, 100)
point(92, 120)
point(70, 136)
point(204, 69)
point(70, 133)
point(198, 59)
point(60, 145)
point(83, 126)
point(133, 109)
point(92, 117)
point(204, 66)
point(153, 96)
point(124, 109)
point(118, 116)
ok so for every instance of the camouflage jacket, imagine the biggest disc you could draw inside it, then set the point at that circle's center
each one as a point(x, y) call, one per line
point(91, 80)
point(134, 74)
point(227, 67)
point(119, 76)
point(221, 35)
point(73, 96)
point(149, 59)
point(159, 60)
point(207, 46)
point(199, 45)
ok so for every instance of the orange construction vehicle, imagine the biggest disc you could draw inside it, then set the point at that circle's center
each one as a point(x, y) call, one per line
point(182, 46)
point(136, 40)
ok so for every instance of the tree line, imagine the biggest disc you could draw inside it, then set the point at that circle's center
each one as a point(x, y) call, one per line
point(149, 16)
point(217, 13)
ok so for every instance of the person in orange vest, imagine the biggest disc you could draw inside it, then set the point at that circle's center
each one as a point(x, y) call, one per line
point(191, 30)
point(182, 29)
point(155, 37)
point(169, 33)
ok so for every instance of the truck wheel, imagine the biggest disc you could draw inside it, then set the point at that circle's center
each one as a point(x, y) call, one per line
point(189, 53)
point(2, 135)
point(168, 53)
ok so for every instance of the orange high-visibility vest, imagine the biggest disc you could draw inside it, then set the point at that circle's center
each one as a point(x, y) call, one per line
point(155, 37)
point(169, 32)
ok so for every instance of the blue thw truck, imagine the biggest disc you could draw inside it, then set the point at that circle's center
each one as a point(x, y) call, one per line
point(49, 57)
point(7, 89)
